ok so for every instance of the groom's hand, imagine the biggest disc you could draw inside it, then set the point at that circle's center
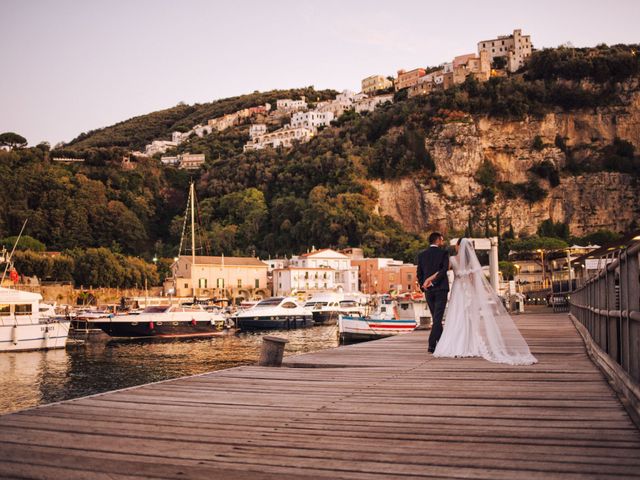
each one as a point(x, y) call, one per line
point(427, 283)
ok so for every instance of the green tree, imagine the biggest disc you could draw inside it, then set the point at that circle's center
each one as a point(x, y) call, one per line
point(12, 140)
point(26, 243)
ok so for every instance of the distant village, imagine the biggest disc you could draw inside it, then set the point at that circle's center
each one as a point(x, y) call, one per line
point(494, 57)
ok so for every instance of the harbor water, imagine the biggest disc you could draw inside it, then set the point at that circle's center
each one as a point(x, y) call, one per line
point(28, 379)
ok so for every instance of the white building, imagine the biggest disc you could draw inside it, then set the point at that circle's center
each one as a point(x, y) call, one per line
point(159, 146)
point(515, 48)
point(346, 276)
point(286, 104)
point(257, 129)
point(283, 137)
point(294, 279)
point(169, 160)
point(312, 119)
point(370, 104)
point(179, 137)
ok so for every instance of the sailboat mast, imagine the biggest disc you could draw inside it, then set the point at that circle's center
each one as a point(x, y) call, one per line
point(193, 237)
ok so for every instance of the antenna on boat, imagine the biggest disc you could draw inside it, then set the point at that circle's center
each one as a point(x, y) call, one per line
point(8, 260)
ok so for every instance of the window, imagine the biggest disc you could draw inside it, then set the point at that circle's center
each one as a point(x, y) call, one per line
point(202, 283)
point(239, 283)
point(5, 310)
point(257, 283)
point(220, 283)
point(186, 285)
point(23, 309)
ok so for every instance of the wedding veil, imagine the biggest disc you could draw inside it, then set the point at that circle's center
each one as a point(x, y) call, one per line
point(499, 337)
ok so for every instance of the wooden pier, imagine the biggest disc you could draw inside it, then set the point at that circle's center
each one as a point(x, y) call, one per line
point(377, 410)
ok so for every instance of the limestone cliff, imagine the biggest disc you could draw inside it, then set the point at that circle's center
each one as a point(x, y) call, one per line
point(586, 202)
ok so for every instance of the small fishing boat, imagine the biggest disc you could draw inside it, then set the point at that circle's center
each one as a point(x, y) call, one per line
point(162, 321)
point(389, 317)
point(275, 313)
point(23, 327)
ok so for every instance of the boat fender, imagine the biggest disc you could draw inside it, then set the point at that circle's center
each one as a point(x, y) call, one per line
point(14, 335)
point(193, 322)
point(151, 326)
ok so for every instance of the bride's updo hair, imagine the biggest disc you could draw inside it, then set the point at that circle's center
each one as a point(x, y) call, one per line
point(460, 240)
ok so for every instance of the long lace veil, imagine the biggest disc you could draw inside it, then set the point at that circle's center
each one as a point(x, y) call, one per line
point(499, 336)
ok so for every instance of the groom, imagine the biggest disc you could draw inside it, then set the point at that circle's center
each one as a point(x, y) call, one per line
point(433, 264)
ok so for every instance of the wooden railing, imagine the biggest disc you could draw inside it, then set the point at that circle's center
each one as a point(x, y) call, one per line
point(608, 306)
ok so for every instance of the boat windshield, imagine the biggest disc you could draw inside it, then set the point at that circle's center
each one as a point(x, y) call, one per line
point(315, 304)
point(348, 303)
point(156, 309)
point(269, 302)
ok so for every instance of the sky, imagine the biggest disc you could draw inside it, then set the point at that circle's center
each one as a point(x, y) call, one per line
point(69, 66)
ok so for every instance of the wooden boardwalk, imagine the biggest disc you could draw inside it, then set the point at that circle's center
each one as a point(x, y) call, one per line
point(378, 410)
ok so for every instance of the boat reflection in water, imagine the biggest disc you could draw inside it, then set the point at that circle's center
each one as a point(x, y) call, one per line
point(163, 321)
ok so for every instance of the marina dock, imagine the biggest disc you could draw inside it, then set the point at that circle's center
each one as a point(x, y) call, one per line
point(376, 410)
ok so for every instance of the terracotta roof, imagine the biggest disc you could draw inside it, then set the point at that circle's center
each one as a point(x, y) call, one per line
point(228, 261)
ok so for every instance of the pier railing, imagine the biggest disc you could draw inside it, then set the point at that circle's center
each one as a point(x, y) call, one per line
point(608, 306)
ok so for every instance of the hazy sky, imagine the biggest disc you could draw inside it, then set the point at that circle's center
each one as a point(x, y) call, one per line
point(71, 66)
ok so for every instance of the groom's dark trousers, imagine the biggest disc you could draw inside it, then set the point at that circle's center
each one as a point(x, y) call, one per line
point(430, 261)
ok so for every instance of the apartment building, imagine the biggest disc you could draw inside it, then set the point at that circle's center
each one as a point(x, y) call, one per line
point(515, 49)
point(408, 79)
point(375, 83)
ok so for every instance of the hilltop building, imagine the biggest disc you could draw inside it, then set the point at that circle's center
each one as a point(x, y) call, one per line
point(375, 83)
point(408, 79)
point(288, 105)
point(311, 120)
point(257, 129)
point(283, 137)
point(515, 49)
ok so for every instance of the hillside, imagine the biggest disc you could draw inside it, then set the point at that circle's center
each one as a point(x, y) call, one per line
point(136, 132)
point(558, 140)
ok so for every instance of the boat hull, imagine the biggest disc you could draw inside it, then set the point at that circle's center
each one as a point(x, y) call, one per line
point(159, 329)
point(33, 336)
point(274, 323)
point(352, 328)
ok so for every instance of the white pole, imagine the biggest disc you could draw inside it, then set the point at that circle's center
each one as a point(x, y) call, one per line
point(493, 264)
point(193, 239)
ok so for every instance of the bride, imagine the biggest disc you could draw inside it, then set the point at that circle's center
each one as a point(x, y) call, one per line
point(476, 322)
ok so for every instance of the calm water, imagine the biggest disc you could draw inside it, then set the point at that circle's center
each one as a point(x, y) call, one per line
point(34, 378)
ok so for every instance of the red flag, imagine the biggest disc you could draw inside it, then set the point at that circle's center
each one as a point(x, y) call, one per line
point(13, 275)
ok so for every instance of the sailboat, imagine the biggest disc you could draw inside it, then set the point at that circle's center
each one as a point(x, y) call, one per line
point(22, 324)
point(162, 321)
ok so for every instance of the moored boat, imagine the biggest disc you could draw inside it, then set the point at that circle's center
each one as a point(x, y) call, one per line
point(390, 317)
point(275, 313)
point(23, 327)
point(326, 309)
point(163, 321)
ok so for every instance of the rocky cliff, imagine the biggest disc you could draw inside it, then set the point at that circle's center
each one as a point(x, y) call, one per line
point(585, 202)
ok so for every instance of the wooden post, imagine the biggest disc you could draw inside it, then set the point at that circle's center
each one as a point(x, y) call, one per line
point(272, 351)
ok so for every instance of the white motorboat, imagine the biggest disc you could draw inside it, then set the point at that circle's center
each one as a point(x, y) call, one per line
point(326, 308)
point(274, 313)
point(24, 327)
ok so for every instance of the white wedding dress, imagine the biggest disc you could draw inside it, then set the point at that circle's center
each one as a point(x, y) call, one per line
point(476, 322)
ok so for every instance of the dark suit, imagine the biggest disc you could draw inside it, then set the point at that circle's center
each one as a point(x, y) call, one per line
point(430, 261)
